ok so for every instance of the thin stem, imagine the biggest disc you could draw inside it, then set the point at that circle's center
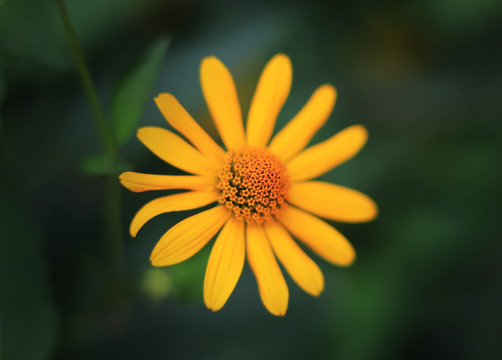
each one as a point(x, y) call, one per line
point(102, 126)
point(113, 221)
point(112, 214)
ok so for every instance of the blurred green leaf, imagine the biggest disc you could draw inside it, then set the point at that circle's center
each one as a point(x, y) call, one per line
point(134, 90)
point(33, 58)
point(188, 276)
point(98, 165)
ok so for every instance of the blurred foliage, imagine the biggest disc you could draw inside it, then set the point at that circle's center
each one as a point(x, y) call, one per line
point(133, 92)
point(157, 284)
point(37, 50)
point(28, 316)
point(423, 77)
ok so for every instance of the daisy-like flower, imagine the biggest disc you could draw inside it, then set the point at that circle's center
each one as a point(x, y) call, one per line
point(262, 188)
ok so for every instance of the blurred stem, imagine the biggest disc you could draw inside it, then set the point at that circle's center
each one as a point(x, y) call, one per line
point(113, 225)
point(102, 126)
point(112, 214)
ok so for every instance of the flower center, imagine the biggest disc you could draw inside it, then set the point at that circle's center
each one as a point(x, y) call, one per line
point(253, 184)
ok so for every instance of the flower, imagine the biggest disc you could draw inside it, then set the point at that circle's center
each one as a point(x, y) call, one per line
point(263, 190)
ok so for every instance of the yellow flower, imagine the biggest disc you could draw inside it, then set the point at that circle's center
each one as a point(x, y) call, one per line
point(263, 190)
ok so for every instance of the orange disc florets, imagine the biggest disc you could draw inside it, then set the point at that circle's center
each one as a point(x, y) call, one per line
point(253, 184)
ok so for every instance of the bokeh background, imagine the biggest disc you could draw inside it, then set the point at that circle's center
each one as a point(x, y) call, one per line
point(425, 78)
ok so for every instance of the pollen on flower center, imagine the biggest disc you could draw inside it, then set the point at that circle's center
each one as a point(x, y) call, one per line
point(253, 184)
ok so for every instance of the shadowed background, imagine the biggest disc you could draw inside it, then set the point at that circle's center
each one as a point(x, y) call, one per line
point(424, 77)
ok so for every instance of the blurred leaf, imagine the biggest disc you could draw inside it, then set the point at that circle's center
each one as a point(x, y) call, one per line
point(28, 316)
point(98, 165)
point(134, 90)
point(188, 276)
point(32, 58)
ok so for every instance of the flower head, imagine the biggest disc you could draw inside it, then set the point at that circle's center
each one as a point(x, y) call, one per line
point(262, 188)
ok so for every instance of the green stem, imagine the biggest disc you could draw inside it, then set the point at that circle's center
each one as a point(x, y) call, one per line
point(112, 214)
point(102, 126)
point(113, 227)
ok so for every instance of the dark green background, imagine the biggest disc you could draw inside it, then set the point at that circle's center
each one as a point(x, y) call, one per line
point(424, 77)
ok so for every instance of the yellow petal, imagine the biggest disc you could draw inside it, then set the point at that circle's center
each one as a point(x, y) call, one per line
point(181, 120)
point(332, 201)
point(269, 97)
point(187, 237)
point(302, 269)
point(138, 182)
point(225, 264)
point(322, 238)
point(273, 289)
point(221, 97)
point(320, 158)
point(300, 130)
point(177, 202)
point(176, 151)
